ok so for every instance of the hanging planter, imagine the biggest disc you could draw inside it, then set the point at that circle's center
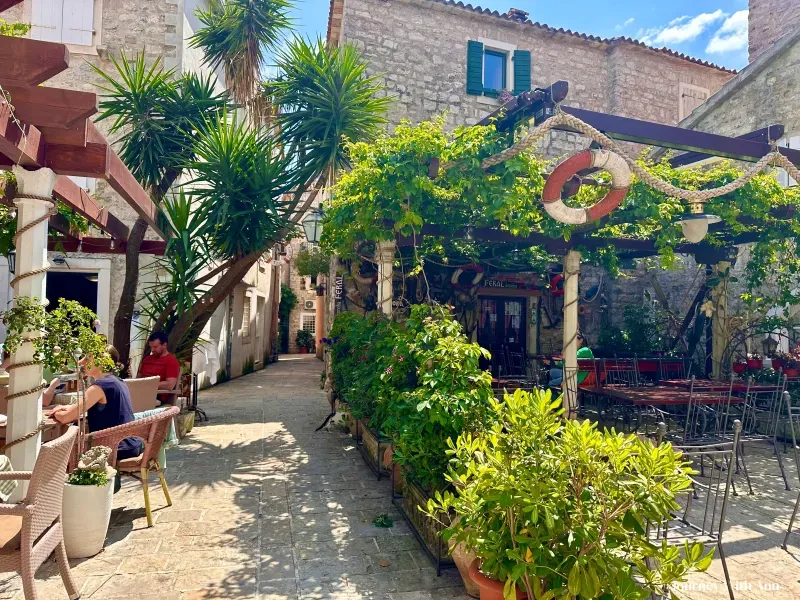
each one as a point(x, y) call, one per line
point(739, 367)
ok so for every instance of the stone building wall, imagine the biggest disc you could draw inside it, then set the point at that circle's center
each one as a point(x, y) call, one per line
point(769, 20)
point(305, 292)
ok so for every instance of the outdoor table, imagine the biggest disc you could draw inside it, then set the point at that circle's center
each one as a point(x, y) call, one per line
point(707, 385)
point(657, 396)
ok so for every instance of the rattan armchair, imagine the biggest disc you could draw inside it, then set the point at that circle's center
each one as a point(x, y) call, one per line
point(31, 530)
point(144, 392)
point(152, 431)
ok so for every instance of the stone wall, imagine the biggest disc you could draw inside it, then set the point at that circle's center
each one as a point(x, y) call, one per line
point(305, 292)
point(768, 21)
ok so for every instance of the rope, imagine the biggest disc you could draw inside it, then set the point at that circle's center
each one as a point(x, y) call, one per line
point(31, 363)
point(774, 158)
point(42, 427)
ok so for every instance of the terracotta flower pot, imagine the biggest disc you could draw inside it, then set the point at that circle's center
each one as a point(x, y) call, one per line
point(490, 589)
point(791, 372)
point(302, 350)
point(739, 368)
point(754, 364)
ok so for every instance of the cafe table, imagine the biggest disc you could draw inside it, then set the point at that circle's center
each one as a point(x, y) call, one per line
point(708, 385)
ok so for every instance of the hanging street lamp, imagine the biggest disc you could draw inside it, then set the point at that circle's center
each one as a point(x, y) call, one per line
point(695, 225)
point(12, 261)
point(312, 225)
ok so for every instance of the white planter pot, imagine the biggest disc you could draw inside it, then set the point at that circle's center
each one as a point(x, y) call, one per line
point(86, 514)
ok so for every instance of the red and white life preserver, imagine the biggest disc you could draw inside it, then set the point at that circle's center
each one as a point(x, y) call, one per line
point(598, 159)
point(557, 284)
point(476, 269)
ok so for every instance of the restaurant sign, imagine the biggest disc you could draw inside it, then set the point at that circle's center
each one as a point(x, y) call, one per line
point(338, 294)
point(508, 284)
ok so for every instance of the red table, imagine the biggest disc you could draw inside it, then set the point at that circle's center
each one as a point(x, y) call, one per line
point(715, 386)
point(657, 396)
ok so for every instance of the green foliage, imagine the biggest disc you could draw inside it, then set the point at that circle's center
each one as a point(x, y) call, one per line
point(14, 29)
point(641, 333)
point(561, 509)
point(235, 37)
point(309, 263)
point(239, 177)
point(419, 382)
point(249, 366)
point(61, 332)
point(432, 390)
point(304, 339)
point(157, 117)
point(288, 302)
point(88, 477)
point(222, 376)
point(384, 521)
point(325, 98)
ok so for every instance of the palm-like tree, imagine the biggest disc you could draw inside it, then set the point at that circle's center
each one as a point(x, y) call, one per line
point(157, 117)
point(235, 38)
point(323, 97)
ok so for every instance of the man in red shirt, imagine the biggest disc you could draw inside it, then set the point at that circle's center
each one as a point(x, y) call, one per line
point(160, 362)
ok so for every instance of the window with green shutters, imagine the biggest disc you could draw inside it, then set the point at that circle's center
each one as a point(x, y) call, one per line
point(487, 73)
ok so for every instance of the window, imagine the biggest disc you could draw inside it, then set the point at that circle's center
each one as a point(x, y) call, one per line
point(494, 71)
point(64, 21)
point(246, 318)
point(308, 321)
point(259, 316)
point(691, 96)
point(494, 66)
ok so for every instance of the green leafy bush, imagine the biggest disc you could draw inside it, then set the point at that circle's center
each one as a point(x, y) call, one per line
point(309, 263)
point(560, 509)
point(304, 339)
point(288, 302)
point(249, 366)
point(88, 477)
point(433, 390)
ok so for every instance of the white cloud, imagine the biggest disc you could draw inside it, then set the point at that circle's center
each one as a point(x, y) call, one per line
point(683, 29)
point(622, 26)
point(731, 36)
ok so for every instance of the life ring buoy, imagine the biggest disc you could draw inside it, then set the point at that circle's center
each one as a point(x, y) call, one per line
point(557, 285)
point(455, 279)
point(599, 159)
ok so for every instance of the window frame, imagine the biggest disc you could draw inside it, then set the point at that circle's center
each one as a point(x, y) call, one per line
point(504, 71)
point(496, 46)
point(247, 303)
point(313, 321)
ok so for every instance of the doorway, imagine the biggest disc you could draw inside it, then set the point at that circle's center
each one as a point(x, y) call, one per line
point(502, 328)
point(80, 286)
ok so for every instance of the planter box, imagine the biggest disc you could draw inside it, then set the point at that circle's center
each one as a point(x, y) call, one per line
point(426, 528)
point(372, 446)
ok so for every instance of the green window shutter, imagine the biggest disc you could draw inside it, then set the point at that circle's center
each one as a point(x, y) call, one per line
point(474, 68)
point(522, 71)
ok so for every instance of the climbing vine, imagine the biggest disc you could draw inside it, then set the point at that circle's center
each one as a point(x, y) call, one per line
point(389, 191)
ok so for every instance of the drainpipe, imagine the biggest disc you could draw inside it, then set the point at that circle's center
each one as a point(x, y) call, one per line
point(24, 382)
point(319, 316)
point(572, 269)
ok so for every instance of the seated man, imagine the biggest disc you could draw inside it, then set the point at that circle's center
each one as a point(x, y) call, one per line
point(162, 364)
point(557, 373)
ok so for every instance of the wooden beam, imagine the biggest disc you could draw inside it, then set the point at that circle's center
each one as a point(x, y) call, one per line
point(6, 4)
point(22, 146)
point(51, 107)
point(764, 136)
point(61, 224)
point(74, 196)
point(25, 62)
point(125, 184)
point(102, 245)
point(677, 138)
point(91, 160)
point(74, 135)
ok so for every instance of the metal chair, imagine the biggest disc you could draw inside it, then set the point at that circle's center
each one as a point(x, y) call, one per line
point(31, 530)
point(708, 415)
point(706, 502)
point(761, 413)
point(672, 368)
point(621, 372)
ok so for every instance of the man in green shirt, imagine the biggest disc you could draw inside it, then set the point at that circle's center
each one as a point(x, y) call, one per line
point(557, 373)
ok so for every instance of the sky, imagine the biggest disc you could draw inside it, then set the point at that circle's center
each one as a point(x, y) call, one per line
point(714, 30)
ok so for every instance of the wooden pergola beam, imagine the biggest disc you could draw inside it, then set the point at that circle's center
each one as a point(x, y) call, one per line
point(102, 245)
point(74, 196)
point(21, 146)
point(26, 62)
point(124, 183)
point(6, 4)
point(51, 107)
point(764, 135)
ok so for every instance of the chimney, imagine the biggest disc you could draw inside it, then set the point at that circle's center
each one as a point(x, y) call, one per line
point(517, 14)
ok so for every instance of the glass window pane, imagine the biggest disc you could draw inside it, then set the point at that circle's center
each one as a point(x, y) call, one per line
point(494, 67)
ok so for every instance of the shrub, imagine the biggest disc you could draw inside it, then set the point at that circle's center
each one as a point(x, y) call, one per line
point(560, 509)
point(304, 339)
point(310, 263)
point(249, 366)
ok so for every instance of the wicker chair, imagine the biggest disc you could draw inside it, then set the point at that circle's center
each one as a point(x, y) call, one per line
point(31, 530)
point(152, 430)
point(143, 393)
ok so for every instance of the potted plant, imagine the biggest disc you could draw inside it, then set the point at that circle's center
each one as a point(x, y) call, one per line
point(754, 361)
point(556, 508)
point(304, 341)
point(739, 367)
point(88, 497)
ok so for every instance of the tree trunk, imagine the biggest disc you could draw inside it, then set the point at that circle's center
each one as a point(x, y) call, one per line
point(127, 301)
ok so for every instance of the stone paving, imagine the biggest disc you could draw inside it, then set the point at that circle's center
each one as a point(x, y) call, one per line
point(266, 508)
